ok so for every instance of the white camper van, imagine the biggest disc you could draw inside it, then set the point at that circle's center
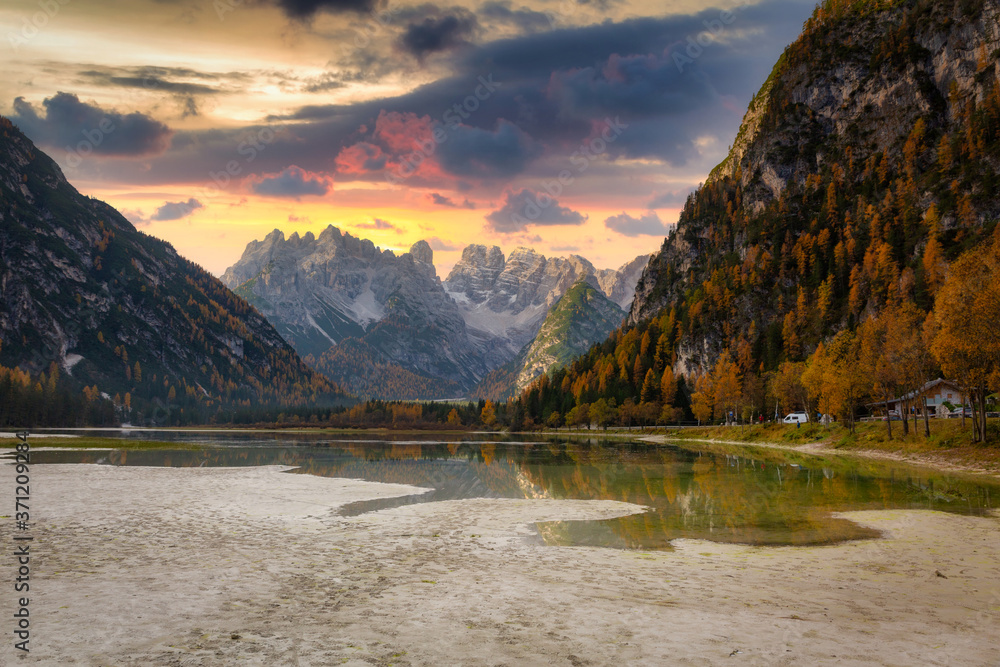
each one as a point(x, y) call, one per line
point(796, 418)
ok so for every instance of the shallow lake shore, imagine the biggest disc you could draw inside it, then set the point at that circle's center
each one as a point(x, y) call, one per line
point(208, 566)
point(945, 460)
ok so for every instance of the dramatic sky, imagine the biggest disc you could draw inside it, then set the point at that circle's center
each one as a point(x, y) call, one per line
point(570, 126)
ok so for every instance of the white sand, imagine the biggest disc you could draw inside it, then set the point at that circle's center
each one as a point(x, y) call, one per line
point(250, 566)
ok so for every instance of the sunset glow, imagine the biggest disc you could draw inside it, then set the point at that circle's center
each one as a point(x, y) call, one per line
point(226, 120)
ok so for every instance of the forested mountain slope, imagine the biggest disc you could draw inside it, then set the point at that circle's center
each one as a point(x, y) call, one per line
point(867, 161)
point(90, 302)
point(866, 165)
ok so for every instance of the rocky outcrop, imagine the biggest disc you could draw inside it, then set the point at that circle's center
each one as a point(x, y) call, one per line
point(619, 285)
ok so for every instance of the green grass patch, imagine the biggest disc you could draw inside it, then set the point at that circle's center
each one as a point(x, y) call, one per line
point(948, 442)
point(99, 443)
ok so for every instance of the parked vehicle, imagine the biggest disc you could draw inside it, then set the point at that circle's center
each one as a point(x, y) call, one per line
point(796, 418)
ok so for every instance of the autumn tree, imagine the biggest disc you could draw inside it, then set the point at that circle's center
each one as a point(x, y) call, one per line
point(787, 387)
point(880, 359)
point(489, 414)
point(602, 412)
point(703, 398)
point(650, 387)
point(579, 415)
point(668, 386)
point(834, 378)
point(754, 396)
point(727, 388)
point(965, 326)
point(906, 338)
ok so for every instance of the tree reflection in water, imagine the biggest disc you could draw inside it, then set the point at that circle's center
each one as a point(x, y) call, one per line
point(761, 497)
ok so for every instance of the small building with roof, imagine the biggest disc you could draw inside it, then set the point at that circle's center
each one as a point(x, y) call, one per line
point(932, 395)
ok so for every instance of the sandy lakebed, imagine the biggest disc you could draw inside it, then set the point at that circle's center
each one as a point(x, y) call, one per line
point(252, 566)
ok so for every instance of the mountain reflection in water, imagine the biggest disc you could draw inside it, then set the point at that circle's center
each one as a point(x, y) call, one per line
point(760, 498)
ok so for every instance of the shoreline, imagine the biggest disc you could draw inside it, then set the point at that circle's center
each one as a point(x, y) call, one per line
point(942, 460)
point(205, 566)
point(937, 461)
point(823, 449)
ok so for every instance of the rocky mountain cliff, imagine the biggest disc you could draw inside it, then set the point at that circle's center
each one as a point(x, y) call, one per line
point(580, 318)
point(123, 312)
point(361, 313)
point(507, 300)
point(866, 162)
point(583, 316)
point(321, 291)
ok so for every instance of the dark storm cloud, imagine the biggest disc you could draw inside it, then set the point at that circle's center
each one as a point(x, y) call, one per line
point(472, 151)
point(290, 182)
point(175, 210)
point(306, 9)
point(433, 34)
point(523, 208)
point(526, 20)
point(648, 224)
point(440, 200)
point(552, 89)
point(69, 122)
point(641, 85)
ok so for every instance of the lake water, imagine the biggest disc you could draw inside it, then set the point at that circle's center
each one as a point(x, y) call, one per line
point(745, 495)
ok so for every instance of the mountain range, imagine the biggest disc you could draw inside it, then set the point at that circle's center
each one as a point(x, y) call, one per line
point(384, 325)
point(92, 302)
point(865, 167)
